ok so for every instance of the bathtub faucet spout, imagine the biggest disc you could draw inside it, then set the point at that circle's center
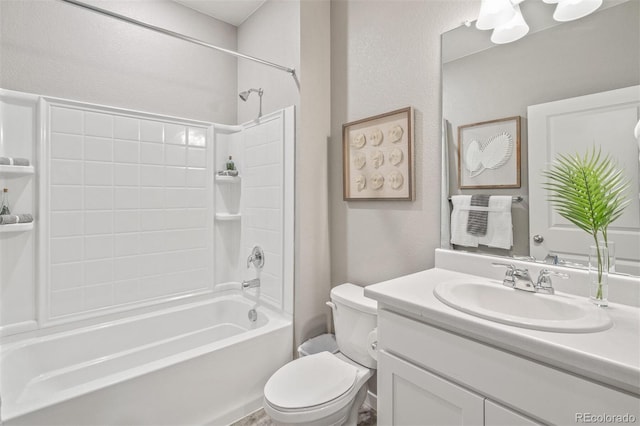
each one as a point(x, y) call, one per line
point(251, 283)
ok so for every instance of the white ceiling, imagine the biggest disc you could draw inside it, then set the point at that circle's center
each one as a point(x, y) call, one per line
point(234, 12)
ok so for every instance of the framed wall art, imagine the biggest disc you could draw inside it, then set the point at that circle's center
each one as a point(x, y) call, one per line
point(378, 157)
point(489, 154)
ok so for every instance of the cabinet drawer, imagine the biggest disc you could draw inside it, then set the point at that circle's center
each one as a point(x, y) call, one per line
point(501, 376)
point(496, 415)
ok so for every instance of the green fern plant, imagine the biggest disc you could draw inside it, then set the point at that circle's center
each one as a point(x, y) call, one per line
point(588, 191)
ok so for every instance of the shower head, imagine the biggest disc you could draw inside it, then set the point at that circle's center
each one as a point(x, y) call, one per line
point(245, 95)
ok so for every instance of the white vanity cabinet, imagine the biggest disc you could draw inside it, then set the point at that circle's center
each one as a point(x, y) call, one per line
point(409, 395)
point(430, 376)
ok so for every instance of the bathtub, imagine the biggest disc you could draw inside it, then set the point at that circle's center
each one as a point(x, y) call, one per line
point(196, 364)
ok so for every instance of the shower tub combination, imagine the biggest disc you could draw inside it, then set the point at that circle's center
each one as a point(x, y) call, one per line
point(189, 356)
point(201, 363)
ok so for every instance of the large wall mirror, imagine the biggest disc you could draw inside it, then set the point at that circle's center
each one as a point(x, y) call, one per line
point(574, 86)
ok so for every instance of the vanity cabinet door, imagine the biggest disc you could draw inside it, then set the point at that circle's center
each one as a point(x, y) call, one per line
point(409, 395)
point(497, 415)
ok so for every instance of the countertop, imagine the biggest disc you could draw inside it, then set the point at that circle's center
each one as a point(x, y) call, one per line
point(611, 357)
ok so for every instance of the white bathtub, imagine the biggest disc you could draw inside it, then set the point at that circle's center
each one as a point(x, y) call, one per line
point(203, 363)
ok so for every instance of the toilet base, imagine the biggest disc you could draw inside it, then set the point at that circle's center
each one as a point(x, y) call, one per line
point(352, 420)
point(346, 416)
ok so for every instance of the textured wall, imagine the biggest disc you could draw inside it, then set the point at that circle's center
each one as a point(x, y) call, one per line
point(312, 221)
point(57, 49)
point(272, 33)
point(386, 55)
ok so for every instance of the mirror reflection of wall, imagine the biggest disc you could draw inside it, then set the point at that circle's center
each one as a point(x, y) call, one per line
point(482, 81)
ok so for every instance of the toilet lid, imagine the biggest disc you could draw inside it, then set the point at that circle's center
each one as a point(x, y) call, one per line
point(309, 381)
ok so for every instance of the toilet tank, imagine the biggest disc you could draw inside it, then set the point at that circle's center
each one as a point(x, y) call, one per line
point(354, 318)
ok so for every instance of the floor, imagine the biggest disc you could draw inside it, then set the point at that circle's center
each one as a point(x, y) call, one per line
point(366, 417)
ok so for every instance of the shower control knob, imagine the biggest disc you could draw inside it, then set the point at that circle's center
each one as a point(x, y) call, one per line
point(538, 238)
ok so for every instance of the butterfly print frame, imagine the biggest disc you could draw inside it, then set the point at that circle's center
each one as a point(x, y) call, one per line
point(489, 154)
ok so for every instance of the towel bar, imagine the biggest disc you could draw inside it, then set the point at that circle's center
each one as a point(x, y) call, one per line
point(514, 199)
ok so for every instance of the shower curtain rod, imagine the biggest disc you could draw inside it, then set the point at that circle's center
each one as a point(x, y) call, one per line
point(291, 71)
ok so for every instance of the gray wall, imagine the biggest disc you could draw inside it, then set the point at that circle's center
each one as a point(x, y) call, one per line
point(313, 268)
point(386, 55)
point(272, 33)
point(594, 54)
point(53, 48)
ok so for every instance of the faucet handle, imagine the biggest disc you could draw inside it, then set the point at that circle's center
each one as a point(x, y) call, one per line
point(545, 273)
point(508, 280)
point(544, 283)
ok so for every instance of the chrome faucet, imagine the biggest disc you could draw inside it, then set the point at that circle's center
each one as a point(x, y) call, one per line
point(516, 278)
point(256, 257)
point(521, 280)
point(251, 283)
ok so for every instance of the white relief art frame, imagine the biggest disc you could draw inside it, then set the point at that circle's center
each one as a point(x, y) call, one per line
point(489, 154)
point(378, 157)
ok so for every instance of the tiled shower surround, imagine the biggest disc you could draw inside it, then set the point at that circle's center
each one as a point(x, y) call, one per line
point(128, 201)
point(262, 217)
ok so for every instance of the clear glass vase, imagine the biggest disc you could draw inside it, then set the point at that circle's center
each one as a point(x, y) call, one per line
point(611, 246)
point(599, 275)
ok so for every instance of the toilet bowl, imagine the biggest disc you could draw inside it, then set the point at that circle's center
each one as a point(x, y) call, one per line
point(326, 389)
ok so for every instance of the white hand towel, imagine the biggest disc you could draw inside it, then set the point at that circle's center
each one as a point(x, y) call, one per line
point(459, 219)
point(499, 223)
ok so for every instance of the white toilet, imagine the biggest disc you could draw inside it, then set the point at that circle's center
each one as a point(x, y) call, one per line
point(327, 389)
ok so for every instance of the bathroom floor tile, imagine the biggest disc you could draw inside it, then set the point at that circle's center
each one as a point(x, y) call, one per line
point(258, 418)
point(366, 417)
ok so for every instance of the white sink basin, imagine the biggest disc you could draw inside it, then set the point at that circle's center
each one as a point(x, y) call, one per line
point(493, 301)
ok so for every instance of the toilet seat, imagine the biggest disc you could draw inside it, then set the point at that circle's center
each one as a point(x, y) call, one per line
point(310, 381)
point(324, 411)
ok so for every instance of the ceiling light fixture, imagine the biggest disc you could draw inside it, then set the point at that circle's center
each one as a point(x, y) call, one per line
point(494, 13)
point(513, 30)
point(505, 18)
point(569, 10)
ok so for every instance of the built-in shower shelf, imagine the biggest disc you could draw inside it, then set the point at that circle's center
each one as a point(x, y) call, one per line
point(16, 227)
point(227, 179)
point(15, 171)
point(228, 216)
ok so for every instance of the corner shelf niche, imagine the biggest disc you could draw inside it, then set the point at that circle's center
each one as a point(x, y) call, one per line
point(16, 227)
point(229, 197)
point(225, 217)
point(227, 179)
point(15, 171)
